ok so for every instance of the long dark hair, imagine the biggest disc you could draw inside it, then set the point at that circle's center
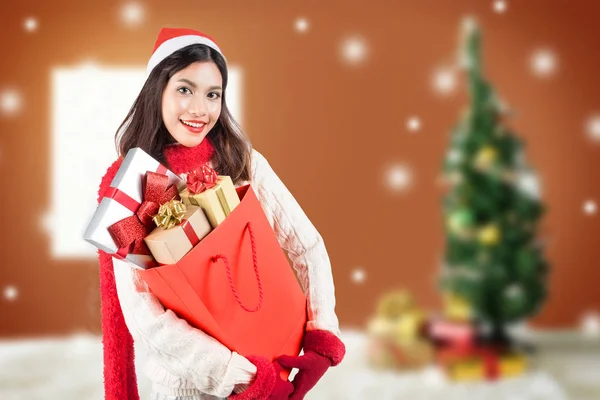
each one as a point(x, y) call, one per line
point(144, 127)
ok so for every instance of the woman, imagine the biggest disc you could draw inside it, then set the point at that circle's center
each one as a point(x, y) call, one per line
point(181, 119)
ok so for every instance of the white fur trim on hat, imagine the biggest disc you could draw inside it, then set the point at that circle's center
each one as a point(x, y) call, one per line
point(172, 45)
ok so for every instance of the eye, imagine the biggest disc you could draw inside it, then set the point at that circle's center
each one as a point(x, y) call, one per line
point(182, 90)
point(214, 95)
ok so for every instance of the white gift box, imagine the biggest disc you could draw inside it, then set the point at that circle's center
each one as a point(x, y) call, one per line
point(128, 180)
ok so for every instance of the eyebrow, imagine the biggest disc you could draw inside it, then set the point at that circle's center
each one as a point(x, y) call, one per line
point(192, 84)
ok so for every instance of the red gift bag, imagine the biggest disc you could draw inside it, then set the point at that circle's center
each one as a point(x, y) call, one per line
point(237, 285)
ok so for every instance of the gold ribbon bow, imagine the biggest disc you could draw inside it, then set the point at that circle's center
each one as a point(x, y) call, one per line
point(170, 214)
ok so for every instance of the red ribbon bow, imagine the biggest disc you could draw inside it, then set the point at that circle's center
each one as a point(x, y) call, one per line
point(202, 179)
point(129, 233)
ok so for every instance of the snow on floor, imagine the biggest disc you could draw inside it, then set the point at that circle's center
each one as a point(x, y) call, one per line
point(71, 369)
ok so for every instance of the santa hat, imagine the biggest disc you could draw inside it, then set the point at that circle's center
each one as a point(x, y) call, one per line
point(172, 39)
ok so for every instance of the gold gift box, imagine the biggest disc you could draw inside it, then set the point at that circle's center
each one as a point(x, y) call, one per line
point(217, 202)
point(474, 369)
point(168, 246)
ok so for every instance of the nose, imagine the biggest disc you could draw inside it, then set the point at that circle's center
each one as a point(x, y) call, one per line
point(198, 107)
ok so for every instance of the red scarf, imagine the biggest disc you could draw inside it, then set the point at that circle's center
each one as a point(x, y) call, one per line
point(120, 382)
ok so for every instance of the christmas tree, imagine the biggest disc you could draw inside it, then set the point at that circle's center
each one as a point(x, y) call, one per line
point(493, 258)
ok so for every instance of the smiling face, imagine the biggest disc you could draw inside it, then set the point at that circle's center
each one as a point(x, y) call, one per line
point(191, 102)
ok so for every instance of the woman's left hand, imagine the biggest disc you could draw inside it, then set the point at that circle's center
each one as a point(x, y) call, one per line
point(283, 388)
point(311, 367)
point(322, 350)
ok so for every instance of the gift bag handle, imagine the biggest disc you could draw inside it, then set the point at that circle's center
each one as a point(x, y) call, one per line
point(230, 279)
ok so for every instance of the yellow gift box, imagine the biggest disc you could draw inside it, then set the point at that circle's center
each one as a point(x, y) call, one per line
point(513, 365)
point(473, 369)
point(217, 202)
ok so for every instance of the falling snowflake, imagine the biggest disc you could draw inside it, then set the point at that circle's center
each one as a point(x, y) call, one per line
point(132, 14)
point(398, 178)
point(529, 183)
point(593, 127)
point(413, 124)
point(30, 24)
point(359, 275)
point(454, 156)
point(444, 80)
point(590, 324)
point(301, 25)
point(589, 207)
point(10, 293)
point(10, 102)
point(354, 50)
point(513, 291)
point(500, 6)
point(503, 108)
point(544, 63)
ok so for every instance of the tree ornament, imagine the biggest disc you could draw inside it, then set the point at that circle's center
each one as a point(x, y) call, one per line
point(485, 158)
point(457, 307)
point(489, 235)
point(460, 221)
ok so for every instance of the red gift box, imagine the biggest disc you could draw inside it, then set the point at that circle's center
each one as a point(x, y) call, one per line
point(457, 333)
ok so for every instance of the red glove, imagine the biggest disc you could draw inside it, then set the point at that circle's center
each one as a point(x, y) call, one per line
point(322, 350)
point(267, 383)
point(283, 388)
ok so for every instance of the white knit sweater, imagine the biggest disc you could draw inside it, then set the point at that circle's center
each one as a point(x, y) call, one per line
point(184, 361)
